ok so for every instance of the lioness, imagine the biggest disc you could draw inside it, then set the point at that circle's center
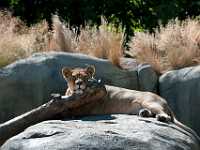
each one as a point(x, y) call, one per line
point(118, 100)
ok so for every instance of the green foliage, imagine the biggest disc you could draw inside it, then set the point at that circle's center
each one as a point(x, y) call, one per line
point(133, 15)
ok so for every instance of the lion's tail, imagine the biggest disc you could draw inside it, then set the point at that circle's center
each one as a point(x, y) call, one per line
point(186, 128)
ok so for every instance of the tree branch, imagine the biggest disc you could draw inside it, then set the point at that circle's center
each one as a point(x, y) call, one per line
point(48, 111)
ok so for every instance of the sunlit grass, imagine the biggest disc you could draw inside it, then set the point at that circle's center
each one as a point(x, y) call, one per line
point(172, 47)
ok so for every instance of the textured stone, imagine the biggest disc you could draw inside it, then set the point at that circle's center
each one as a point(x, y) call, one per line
point(147, 78)
point(125, 132)
point(181, 88)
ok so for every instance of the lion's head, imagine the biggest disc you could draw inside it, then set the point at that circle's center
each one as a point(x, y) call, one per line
point(77, 78)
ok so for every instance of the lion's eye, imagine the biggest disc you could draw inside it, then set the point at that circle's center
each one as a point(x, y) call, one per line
point(73, 77)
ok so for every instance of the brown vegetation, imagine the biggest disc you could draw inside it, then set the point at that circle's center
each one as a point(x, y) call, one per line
point(18, 41)
point(174, 46)
point(103, 42)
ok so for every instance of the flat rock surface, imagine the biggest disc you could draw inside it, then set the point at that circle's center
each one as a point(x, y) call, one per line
point(108, 132)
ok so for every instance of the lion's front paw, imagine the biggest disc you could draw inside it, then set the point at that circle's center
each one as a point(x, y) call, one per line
point(163, 117)
point(145, 113)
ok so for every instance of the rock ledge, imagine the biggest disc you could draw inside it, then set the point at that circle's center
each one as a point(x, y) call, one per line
point(103, 132)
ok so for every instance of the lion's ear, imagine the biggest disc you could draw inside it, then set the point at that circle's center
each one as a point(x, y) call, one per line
point(90, 70)
point(66, 72)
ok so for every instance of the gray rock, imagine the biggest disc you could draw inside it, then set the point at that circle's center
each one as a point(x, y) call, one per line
point(28, 83)
point(181, 88)
point(117, 132)
point(146, 75)
point(128, 63)
point(147, 78)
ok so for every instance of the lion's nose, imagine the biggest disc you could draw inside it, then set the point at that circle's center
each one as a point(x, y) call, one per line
point(79, 82)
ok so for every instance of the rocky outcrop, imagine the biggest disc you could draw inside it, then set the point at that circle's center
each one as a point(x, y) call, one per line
point(147, 78)
point(125, 132)
point(28, 83)
point(181, 89)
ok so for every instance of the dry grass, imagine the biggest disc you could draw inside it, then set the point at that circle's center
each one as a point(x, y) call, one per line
point(103, 42)
point(143, 47)
point(61, 38)
point(175, 46)
point(17, 41)
point(172, 47)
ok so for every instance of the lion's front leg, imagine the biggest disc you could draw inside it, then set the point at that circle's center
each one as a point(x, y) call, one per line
point(163, 117)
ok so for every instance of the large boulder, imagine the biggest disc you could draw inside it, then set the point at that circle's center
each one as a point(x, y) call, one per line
point(181, 88)
point(28, 83)
point(125, 132)
point(146, 75)
point(147, 78)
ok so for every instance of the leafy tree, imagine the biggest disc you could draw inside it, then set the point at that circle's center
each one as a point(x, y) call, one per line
point(132, 15)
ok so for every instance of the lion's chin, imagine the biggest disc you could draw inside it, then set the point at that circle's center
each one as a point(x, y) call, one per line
point(79, 91)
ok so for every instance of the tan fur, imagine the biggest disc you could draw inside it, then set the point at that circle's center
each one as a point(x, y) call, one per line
point(122, 101)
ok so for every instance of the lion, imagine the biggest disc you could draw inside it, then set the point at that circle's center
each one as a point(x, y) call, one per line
point(118, 100)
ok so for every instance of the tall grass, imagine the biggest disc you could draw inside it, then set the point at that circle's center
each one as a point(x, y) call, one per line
point(18, 41)
point(172, 47)
point(102, 42)
point(61, 38)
